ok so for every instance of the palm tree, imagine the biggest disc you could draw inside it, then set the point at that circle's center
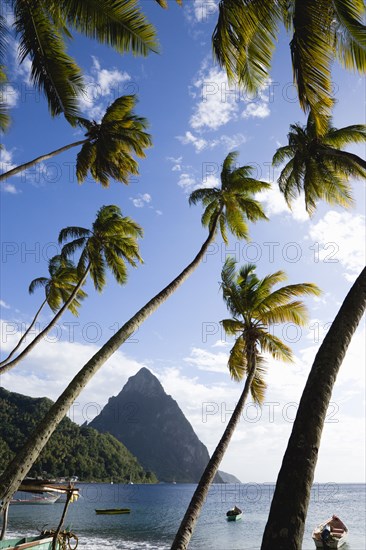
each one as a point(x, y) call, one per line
point(107, 147)
point(58, 288)
point(222, 209)
point(110, 243)
point(254, 308)
point(286, 521)
point(43, 28)
point(318, 166)
point(246, 34)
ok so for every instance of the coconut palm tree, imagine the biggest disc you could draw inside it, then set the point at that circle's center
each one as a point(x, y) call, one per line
point(318, 166)
point(225, 206)
point(58, 288)
point(110, 243)
point(43, 28)
point(286, 521)
point(246, 34)
point(254, 307)
point(106, 151)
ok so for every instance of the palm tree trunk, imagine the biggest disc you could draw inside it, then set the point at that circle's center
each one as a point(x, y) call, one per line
point(285, 525)
point(24, 335)
point(8, 366)
point(21, 464)
point(26, 165)
point(185, 531)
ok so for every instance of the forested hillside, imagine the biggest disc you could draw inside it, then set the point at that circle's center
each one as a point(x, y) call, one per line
point(72, 449)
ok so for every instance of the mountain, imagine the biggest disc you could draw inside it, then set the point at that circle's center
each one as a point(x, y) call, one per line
point(152, 426)
point(71, 450)
point(228, 478)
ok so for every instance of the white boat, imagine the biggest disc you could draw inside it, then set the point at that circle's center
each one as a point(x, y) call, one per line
point(332, 533)
point(44, 498)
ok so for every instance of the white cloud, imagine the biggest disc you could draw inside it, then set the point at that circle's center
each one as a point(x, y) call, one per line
point(4, 304)
point(217, 103)
point(9, 95)
point(102, 86)
point(275, 204)
point(256, 110)
point(6, 160)
point(141, 200)
point(198, 143)
point(187, 182)
point(341, 237)
point(208, 361)
point(10, 188)
point(203, 9)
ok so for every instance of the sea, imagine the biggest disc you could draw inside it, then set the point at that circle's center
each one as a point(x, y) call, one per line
point(156, 511)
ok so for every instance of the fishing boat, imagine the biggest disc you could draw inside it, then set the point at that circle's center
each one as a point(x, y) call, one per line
point(332, 533)
point(234, 514)
point(55, 539)
point(113, 511)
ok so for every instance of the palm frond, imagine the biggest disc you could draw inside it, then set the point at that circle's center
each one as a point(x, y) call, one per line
point(116, 23)
point(52, 71)
point(258, 386)
point(237, 360)
point(312, 53)
point(350, 34)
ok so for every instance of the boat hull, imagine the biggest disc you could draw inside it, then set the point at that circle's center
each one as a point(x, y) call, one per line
point(25, 543)
point(235, 517)
point(113, 511)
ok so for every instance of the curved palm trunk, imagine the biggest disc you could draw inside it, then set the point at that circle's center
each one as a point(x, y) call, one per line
point(185, 531)
point(19, 467)
point(24, 335)
point(286, 521)
point(9, 365)
point(26, 165)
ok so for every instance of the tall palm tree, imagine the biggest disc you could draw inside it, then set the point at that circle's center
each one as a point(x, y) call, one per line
point(318, 166)
point(58, 288)
point(106, 151)
point(246, 34)
point(286, 521)
point(43, 28)
point(110, 243)
point(254, 307)
point(222, 209)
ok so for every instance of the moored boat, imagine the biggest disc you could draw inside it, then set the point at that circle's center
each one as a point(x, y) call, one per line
point(112, 511)
point(42, 542)
point(332, 533)
point(45, 498)
point(55, 539)
point(234, 514)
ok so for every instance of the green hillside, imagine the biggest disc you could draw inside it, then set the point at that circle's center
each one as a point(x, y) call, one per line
point(72, 449)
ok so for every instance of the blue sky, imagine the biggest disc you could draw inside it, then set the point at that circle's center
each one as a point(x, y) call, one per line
point(195, 119)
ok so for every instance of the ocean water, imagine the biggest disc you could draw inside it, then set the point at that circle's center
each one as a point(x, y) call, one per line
point(156, 511)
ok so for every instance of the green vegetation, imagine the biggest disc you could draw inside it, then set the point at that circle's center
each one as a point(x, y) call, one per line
point(72, 449)
point(110, 242)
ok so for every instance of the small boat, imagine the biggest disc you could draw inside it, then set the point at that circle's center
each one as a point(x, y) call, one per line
point(234, 514)
point(332, 533)
point(54, 539)
point(42, 542)
point(113, 511)
point(45, 498)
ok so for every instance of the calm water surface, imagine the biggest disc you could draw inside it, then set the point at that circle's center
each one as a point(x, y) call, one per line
point(156, 511)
